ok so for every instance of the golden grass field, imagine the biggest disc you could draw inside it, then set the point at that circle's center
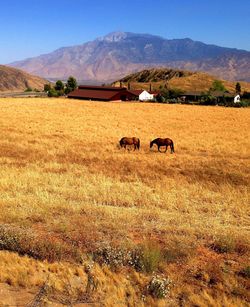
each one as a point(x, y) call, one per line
point(68, 191)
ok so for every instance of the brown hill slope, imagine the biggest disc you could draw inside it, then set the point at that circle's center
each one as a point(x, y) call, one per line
point(172, 78)
point(12, 79)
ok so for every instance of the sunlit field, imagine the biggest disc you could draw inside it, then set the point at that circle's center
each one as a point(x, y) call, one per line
point(74, 206)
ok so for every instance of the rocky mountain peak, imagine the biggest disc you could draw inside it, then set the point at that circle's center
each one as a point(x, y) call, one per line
point(114, 37)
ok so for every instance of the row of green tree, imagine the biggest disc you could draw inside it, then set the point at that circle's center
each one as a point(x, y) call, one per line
point(219, 86)
point(206, 98)
point(60, 88)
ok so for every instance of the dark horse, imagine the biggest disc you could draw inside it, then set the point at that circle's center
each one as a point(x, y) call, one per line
point(130, 141)
point(163, 142)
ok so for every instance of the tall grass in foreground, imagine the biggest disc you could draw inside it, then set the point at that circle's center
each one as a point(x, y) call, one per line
point(67, 190)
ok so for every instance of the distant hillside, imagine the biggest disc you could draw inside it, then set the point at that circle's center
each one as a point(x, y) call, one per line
point(12, 79)
point(172, 78)
point(156, 75)
point(119, 53)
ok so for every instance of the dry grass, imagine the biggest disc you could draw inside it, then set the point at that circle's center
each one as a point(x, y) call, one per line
point(64, 181)
point(196, 82)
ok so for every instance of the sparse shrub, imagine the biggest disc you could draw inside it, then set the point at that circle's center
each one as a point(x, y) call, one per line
point(239, 291)
point(149, 258)
point(92, 283)
point(208, 100)
point(26, 243)
point(246, 95)
point(242, 104)
point(10, 281)
point(242, 246)
point(9, 239)
point(177, 251)
point(170, 95)
point(245, 272)
point(28, 89)
point(143, 258)
point(229, 104)
point(114, 257)
point(212, 272)
point(47, 88)
point(223, 244)
point(229, 244)
point(173, 100)
point(159, 287)
point(160, 98)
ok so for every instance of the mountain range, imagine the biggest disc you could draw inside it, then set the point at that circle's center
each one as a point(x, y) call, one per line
point(119, 53)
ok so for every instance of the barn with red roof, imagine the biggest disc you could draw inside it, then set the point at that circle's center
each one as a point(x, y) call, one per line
point(102, 93)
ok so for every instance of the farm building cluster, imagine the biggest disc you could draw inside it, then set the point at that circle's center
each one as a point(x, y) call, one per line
point(111, 93)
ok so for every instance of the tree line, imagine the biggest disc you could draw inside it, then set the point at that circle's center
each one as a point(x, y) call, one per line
point(207, 97)
point(60, 88)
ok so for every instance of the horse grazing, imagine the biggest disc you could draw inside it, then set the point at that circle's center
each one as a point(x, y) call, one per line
point(163, 142)
point(130, 141)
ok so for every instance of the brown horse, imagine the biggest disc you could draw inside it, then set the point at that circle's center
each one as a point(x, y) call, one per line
point(163, 142)
point(130, 141)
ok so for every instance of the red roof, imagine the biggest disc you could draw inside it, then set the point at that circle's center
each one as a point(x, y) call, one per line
point(93, 94)
point(105, 93)
point(136, 92)
point(101, 88)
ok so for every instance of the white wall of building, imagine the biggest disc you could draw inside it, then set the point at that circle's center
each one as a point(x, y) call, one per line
point(146, 96)
point(237, 98)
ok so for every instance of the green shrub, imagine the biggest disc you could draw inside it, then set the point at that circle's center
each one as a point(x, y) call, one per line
point(242, 104)
point(28, 89)
point(150, 258)
point(217, 85)
point(53, 93)
point(59, 86)
point(71, 85)
point(172, 100)
point(208, 100)
point(47, 87)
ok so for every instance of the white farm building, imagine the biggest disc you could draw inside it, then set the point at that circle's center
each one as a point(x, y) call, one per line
point(143, 95)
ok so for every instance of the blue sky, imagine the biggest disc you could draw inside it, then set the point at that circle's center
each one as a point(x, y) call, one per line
point(33, 27)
